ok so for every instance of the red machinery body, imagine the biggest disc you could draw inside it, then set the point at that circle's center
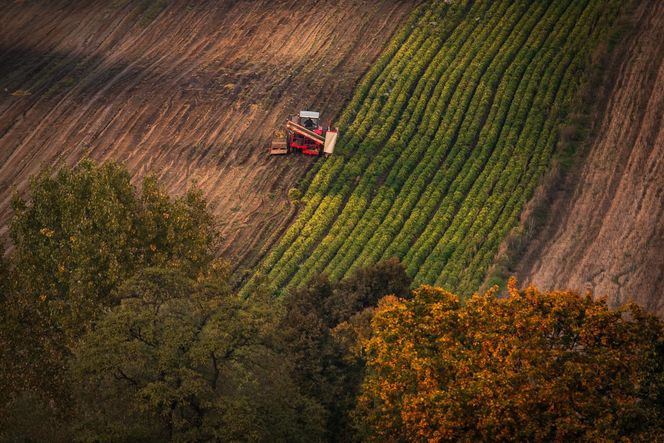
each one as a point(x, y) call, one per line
point(305, 134)
point(308, 146)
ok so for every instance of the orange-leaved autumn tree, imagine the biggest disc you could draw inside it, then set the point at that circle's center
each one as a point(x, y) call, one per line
point(534, 366)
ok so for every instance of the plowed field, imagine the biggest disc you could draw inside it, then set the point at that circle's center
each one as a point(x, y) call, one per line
point(606, 233)
point(189, 90)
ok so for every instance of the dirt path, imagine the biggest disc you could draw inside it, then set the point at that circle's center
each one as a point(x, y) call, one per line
point(607, 230)
point(188, 90)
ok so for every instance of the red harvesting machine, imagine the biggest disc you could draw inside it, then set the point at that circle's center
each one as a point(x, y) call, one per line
point(304, 134)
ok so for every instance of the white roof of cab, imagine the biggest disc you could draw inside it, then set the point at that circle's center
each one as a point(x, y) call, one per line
point(309, 114)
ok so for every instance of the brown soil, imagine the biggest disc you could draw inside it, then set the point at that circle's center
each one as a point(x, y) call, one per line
point(188, 90)
point(605, 231)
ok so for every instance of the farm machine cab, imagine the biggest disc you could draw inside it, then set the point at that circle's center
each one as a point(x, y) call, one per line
point(303, 133)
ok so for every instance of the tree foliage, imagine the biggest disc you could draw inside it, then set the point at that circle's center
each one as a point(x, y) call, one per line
point(80, 234)
point(535, 366)
point(181, 360)
point(322, 327)
point(83, 231)
point(86, 229)
point(119, 325)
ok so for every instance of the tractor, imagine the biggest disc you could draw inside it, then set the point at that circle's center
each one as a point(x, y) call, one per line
point(303, 133)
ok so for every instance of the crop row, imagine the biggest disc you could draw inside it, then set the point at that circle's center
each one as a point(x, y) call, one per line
point(494, 158)
point(454, 139)
point(357, 205)
point(502, 209)
point(483, 55)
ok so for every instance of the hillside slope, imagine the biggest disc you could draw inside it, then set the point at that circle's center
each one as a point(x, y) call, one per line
point(444, 142)
point(606, 230)
point(189, 90)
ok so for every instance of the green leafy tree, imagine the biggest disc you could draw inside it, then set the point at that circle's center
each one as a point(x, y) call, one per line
point(82, 232)
point(183, 360)
point(535, 366)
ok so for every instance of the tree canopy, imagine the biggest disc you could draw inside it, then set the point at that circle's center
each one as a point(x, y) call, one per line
point(534, 366)
point(323, 326)
point(82, 232)
point(188, 361)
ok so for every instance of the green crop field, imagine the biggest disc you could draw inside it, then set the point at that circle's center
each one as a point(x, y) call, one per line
point(444, 142)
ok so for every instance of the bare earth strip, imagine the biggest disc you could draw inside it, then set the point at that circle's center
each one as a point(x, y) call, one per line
point(607, 232)
point(190, 91)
